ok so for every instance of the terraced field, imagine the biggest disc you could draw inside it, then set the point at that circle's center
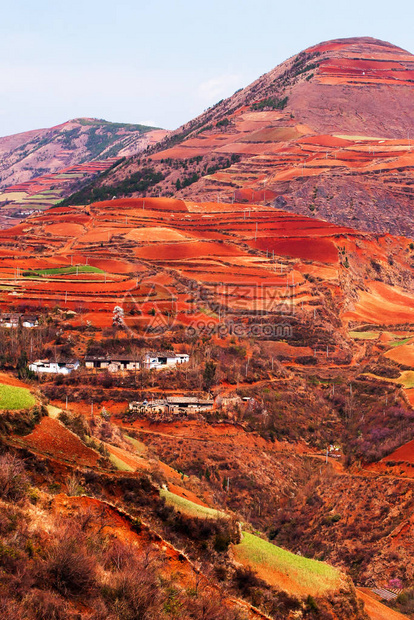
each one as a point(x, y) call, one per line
point(321, 134)
point(295, 574)
point(235, 260)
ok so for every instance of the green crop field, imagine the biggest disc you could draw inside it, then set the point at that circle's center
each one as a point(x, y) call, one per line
point(12, 397)
point(286, 570)
point(364, 335)
point(190, 508)
point(140, 447)
point(119, 463)
point(398, 343)
point(61, 271)
point(406, 379)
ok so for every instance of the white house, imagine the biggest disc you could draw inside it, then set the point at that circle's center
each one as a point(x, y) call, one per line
point(14, 319)
point(29, 320)
point(165, 359)
point(59, 368)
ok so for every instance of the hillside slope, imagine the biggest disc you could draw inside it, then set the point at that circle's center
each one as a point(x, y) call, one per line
point(30, 154)
point(39, 168)
point(308, 327)
point(327, 133)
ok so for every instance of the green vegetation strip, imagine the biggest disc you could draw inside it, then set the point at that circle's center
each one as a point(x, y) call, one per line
point(272, 563)
point(190, 508)
point(140, 447)
point(119, 463)
point(364, 335)
point(398, 343)
point(12, 397)
point(406, 379)
point(73, 269)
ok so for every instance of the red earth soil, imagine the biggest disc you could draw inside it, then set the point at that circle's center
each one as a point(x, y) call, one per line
point(322, 250)
point(51, 437)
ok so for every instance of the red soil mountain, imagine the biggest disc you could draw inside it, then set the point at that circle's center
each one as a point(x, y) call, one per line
point(328, 132)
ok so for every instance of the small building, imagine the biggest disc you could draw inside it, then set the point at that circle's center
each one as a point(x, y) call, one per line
point(30, 320)
point(165, 359)
point(171, 405)
point(158, 405)
point(48, 367)
point(11, 319)
point(113, 363)
point(189, 402)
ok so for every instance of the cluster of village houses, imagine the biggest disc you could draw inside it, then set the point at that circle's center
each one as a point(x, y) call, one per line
point(171, 405)
point(113, 363)
point(16, 319)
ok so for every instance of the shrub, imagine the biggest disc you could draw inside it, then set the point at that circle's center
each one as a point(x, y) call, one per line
point(136, 594)
point(206, 607)
point(246, 580)
point(69, 569)
point(46, 605)
point(13, 479)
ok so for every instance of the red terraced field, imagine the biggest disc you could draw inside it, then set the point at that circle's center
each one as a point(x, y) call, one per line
point(52, 438)
point(308, 157)
point(322, 250)
point(403, 354)
point(180, 251)
point(404, 453)
point(159, 204)
point(65, 229)
point(145, 269)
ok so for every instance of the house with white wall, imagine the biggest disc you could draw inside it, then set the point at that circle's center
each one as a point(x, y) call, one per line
point(58, 368)
point(165, 359)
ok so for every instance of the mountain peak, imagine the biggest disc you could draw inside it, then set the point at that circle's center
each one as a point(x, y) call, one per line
point(357, 43)
point(326, 132)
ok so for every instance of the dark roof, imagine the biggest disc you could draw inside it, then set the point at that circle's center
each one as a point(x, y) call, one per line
point(122, 357)
point(161, 354)
point(187, 400)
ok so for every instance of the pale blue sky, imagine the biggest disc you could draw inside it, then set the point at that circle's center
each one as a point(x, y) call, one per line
point(162, 61)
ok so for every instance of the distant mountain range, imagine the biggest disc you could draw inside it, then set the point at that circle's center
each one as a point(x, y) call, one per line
point(39, 168)
point(327, 133)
